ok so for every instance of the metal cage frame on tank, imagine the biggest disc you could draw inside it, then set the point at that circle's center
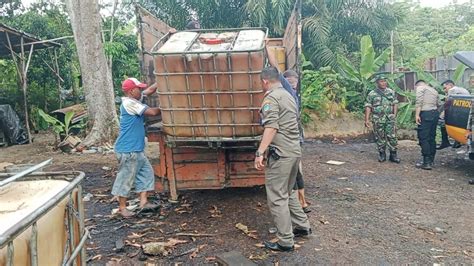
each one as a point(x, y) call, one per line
point(220, 132)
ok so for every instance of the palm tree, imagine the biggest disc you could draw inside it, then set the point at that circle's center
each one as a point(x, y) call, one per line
point(329, 26)
point(335, 26)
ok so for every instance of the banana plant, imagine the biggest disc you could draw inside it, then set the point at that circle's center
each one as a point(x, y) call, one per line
point(60, 128)
point(370, 64)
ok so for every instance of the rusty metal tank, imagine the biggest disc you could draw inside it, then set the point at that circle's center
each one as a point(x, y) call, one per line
point(209, 83)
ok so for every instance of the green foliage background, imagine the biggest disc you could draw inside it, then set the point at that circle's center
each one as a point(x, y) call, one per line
point(338, 68)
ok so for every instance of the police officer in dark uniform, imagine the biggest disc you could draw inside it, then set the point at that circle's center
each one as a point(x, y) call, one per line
point(427, 115)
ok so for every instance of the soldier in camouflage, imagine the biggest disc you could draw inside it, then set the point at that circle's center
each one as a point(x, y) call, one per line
point(382, 106)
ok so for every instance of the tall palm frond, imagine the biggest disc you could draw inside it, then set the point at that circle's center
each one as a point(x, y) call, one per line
point(257, 10)
point(281, 10)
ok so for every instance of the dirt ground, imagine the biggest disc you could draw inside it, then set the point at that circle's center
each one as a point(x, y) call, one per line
point(363, 212)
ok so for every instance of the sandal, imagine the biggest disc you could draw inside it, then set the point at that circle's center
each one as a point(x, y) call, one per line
point(149, 207)
point(126, 214)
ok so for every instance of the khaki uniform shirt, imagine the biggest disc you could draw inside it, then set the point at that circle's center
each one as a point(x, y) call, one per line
point(279, 111)
point(427, 98)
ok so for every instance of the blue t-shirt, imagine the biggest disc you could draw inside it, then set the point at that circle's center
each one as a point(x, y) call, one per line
point(132, 130)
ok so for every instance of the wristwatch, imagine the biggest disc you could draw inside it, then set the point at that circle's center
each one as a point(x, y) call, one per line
point(258, 154)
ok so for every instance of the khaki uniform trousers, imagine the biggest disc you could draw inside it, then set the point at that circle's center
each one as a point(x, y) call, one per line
point(280, 178)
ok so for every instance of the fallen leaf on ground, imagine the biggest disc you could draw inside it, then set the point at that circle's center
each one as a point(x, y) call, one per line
point(439, 257)
point(260, 245)
point(437, 250)
point(324, 222)
point(182, 210)
point(215, 212)
point(195, 253)
point(144, 221)
point(210, 259)
point(242, 228)
point(318, 249)
point(431, 191)
point(333, 162)
point(349, 189)
point(245, 229)
point(343, 178)
point(262, 256)
point(252, 235)
point(372, 172)
point(97, 257)
point(129, 243)
point(338, 141)
point(195, 234)
point(135, 236)
point(173, 242)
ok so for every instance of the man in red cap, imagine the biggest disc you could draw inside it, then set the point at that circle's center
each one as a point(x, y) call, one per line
point(134, 167)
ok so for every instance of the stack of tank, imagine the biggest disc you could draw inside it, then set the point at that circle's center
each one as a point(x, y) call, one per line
point(209, 84)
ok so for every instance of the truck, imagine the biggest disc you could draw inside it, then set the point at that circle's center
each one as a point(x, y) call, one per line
point(209, 93)
point(459, 111)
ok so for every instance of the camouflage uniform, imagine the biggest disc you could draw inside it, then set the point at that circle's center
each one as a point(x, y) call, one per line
point(381, 103)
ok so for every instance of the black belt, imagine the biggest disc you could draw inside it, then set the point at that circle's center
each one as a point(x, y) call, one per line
point(434, 110)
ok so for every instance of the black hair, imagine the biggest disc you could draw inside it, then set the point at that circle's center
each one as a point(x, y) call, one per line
point(419, 81)
point(270, 73)
point(290, 73)
point(448, 82)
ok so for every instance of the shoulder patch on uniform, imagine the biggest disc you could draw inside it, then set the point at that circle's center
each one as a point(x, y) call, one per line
point(266, 107)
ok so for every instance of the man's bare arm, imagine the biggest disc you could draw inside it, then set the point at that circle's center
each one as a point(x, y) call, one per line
point(152, 111)
point(368, 110)
point(417, 115)
point(150, 90)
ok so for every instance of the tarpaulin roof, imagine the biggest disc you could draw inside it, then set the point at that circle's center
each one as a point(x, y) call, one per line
point(15, 40)
point(466, 57)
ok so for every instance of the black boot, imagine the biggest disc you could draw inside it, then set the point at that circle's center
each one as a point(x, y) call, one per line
point(456, 145)
point(382, 156)
point(444, 139)
point(393, 157)
point(425, 164)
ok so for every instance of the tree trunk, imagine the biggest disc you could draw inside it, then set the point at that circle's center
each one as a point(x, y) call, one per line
point(96, 76)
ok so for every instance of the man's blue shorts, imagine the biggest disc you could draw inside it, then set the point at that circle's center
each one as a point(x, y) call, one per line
point(134, 167)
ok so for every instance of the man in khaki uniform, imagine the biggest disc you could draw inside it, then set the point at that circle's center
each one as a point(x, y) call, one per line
point(427, 115)
point(282, 138)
